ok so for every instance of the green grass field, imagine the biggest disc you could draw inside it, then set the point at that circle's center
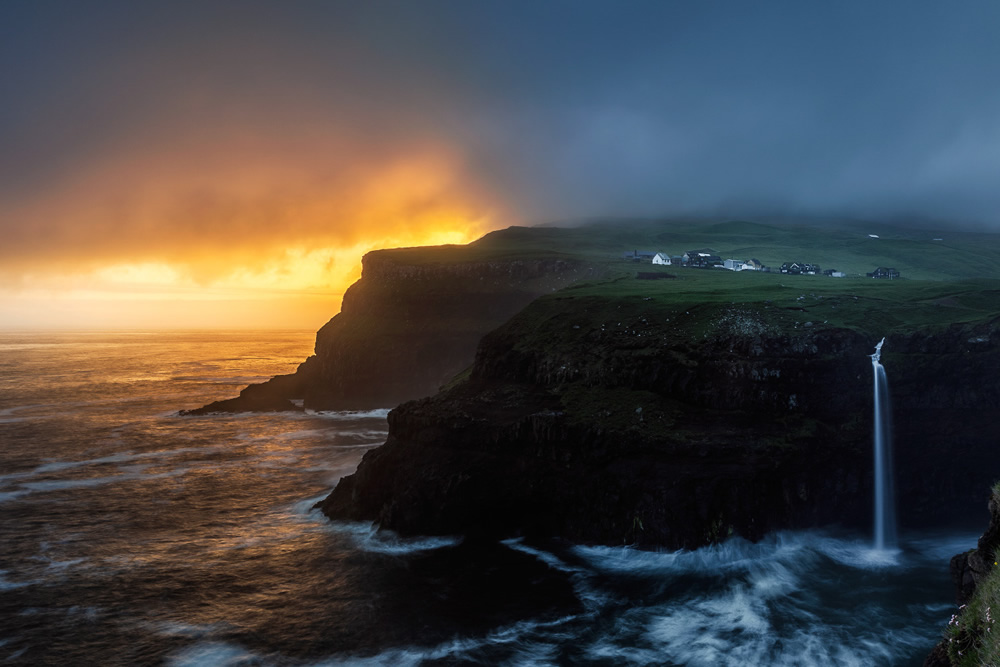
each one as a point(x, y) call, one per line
point(844, 246)
point(955, 279)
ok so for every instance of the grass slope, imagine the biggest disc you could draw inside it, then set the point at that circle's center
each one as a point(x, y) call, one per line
point(843, 245)
point(956, 280)
point(969, 637)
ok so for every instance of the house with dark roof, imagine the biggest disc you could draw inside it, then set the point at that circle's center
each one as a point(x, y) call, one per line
point(800, 268)
point(884, 273)
point(639, 255)
point(703, 258)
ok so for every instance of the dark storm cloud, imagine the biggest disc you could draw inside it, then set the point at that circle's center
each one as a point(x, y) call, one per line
point(555, 109)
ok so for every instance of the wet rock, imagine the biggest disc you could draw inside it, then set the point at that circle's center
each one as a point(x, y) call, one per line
point(728, 442)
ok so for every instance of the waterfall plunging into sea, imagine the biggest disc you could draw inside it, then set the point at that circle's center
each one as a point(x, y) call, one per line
point(885, 510)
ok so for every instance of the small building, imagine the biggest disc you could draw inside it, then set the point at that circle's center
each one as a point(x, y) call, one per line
point(884, 273)
point(733, 264)
point(662, 258)
point(638, 255)
point(704, 258)
point(800, 268)
point(834, 273)
point(753, 264)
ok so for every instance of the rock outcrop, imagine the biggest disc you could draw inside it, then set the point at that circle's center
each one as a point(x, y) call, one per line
point(969, 637)
point(619, 432)
point(409, 325)
point(971, 568)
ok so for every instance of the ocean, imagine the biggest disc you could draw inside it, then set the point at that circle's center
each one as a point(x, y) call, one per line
point(130, 535)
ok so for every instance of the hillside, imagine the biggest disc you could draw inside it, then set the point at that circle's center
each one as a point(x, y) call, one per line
point(415, 317)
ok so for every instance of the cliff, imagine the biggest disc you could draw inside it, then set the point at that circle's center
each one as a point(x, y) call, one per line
point(609, 417)
point(969, 639)
point(409, 325)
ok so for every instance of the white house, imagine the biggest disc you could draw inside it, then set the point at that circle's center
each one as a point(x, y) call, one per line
point(733, 264)
point(661, 258)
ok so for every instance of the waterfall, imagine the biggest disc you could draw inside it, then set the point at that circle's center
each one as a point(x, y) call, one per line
point(885, 509)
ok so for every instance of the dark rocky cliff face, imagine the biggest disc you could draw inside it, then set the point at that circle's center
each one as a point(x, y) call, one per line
point(404, 330)
point(607, 434)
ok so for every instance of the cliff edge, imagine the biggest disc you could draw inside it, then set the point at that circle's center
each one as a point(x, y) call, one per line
point(410, 324)
point(969, 638)
point(605, 416)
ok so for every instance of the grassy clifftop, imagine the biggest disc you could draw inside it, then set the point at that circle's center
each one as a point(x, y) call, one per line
point(842, 245)
point(952, 280)
point(697, 303)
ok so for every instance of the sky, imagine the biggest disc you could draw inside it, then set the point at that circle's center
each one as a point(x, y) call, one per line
point(226, 164)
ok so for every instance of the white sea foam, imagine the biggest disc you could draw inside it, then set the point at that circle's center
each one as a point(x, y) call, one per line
point(590, 596)
point(179, 629)
point(11, 416)
point(367, 445)
point(7, 496)
point(212, 654)
point(8, 412)
point(368, 537)
point(734, 554)
point(381, 413)
point(368, 433)
point(549, 559)
point(123, 457)
point(306, 509)
point(60, 565)
point(7, 585)
point(732, 632)
point(16, 654)
point(772, 607)
point(404, 656)
point(865, 556)
point(62, 485)
point(737, 554)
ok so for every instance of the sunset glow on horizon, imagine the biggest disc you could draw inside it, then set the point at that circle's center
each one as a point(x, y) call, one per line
point(189, 164)
point(268, 244)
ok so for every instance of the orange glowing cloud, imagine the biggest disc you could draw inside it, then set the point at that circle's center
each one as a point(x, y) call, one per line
point(271, 234)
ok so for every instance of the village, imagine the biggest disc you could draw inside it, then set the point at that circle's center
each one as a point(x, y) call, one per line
point(706, 258)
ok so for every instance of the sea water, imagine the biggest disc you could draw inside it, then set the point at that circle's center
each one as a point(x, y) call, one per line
point(130, 535)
